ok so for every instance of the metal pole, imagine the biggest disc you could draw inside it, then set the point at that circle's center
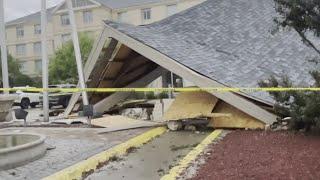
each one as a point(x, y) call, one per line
point(4, 56)
point(172, 85)
point(77, 52)
point(171, 79)
point(44, 54)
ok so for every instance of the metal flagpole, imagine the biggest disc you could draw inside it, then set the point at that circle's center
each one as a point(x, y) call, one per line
point(4, 57)
point(77, 52)
point(44, 60)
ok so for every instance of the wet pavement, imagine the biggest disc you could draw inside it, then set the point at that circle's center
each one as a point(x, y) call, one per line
point(152, 160)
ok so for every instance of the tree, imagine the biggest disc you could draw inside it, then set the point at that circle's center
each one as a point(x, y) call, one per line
point(303, 107)
point(16, 78)
point(301, 15)
point(63, 67)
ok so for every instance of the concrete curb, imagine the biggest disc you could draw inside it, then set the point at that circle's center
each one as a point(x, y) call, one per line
point(75, 171)
point(176, 171)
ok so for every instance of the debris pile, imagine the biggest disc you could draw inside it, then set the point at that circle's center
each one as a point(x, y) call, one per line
point(135, 109)
point(202, 108)
point(120, 123)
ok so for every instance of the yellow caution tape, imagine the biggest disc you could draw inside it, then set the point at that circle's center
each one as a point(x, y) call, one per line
point(210, 89)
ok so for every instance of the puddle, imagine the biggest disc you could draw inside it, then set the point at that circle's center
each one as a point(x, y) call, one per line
point(7, 141)
point(153, 160)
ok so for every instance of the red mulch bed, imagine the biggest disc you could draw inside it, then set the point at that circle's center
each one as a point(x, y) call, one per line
point(263, 155)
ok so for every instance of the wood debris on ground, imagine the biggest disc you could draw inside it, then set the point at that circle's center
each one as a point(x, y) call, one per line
point(118, 123)
point(199, 105)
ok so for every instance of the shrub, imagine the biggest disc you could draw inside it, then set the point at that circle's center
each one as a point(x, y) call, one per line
point(163, 95)
point(150, 95)
point(302, 106)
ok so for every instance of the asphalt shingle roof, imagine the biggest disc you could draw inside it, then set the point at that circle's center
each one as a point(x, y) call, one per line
point(230, 42)
point(32, 18)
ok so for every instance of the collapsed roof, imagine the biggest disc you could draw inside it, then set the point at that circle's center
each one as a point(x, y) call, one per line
point(219, 43)
point(229, 42)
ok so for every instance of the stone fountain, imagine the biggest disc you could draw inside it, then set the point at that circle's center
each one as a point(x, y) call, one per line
point(17, 149)
point(6, 102)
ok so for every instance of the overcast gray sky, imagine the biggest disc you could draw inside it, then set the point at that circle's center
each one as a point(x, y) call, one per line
point(18, 8)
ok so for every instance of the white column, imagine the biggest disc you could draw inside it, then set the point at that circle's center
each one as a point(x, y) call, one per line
point(171, 79)
point(4, 56)
point(44, 54)
point(77, 52)
point(172, 86)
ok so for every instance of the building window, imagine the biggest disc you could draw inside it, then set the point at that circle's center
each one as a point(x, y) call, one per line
point(38, 65)
point(146, 14)
point(23, 67)
point(20, 31)
point(65, 38)
point(37, 48)
point(80, 3)
point(21, 49)
point(37, 29)
point(121, 16)
point(171, 9)
point(65, 19)
point(87, 17)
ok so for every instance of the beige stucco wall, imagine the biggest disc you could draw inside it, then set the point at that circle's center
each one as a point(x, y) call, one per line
point(98, 13)
point(56, 30)
point(158, 11)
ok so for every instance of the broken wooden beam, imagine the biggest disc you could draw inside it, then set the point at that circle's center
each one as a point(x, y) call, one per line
point(116, 97)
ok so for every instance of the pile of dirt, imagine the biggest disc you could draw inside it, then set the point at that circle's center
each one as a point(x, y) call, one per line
point(263, 155)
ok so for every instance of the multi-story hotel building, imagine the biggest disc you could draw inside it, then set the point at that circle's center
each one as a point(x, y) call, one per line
point(23, 34)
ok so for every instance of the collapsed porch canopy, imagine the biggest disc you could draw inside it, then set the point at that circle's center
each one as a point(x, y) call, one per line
point(230, 42)
point(219, 43)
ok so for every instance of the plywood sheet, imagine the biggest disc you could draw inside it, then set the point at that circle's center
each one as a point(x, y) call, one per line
point(238, 119)
point(117, 123)
point(191, 105)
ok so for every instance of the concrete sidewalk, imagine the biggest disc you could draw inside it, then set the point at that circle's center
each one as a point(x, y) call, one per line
point(152, 160)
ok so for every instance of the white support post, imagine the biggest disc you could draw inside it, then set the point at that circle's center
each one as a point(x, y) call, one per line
point(77, 52)
point(44, 54)
point(4, 56)
point(172, 85)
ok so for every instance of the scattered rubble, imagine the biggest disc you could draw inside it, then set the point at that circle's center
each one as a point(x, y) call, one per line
point(280, 125)
point(190, 107)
